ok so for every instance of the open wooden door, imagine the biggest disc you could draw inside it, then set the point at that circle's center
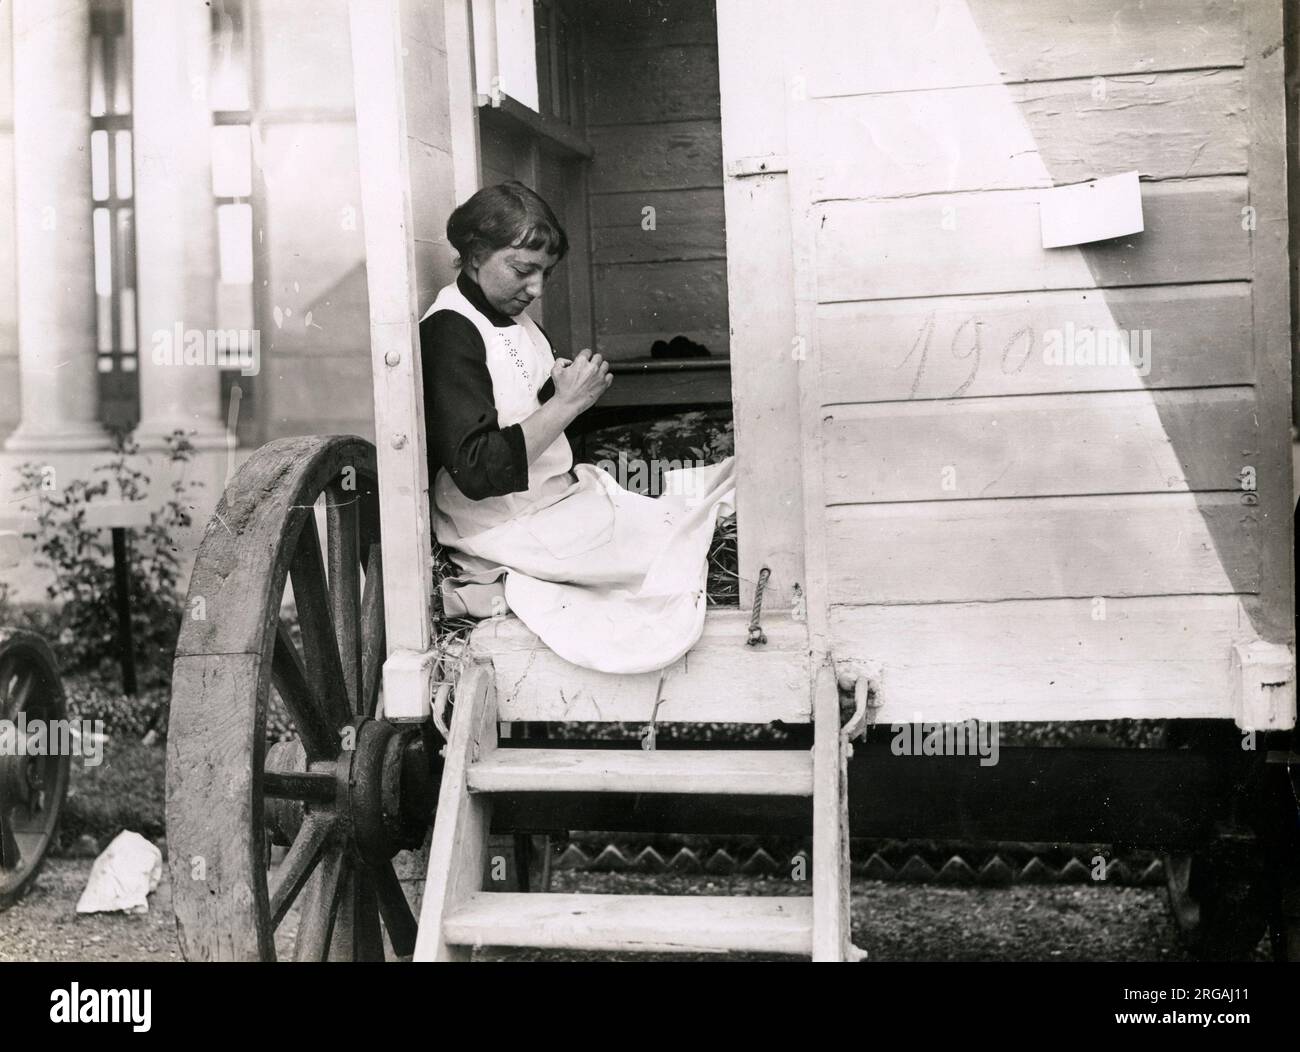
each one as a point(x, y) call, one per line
point(760, 292)
point(1036, 483)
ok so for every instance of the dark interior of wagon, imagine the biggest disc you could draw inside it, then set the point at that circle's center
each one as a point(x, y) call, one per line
point(627, 148)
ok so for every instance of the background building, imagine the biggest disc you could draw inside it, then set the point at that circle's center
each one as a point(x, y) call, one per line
point(143, 204)
point(173, 168)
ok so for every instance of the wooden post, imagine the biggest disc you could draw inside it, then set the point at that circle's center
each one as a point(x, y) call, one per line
point(803, 228)
point(457, 852)
point(830, 861)
point(122, 597)
point(1271, 314)
point(414, 155)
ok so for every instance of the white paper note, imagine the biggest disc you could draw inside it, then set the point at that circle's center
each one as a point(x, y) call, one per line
point(1095, 211)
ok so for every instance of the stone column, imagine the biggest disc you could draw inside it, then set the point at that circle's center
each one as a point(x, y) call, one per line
point(176, 249)
point(55, 250)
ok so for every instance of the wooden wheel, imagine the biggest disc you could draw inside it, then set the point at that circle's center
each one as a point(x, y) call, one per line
point(1217, 897)
point(1217, 892)
point(32, 786)
point(350, 790)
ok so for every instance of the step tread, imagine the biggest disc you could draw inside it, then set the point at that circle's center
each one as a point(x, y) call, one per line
point(636, 923)
point(753, 772)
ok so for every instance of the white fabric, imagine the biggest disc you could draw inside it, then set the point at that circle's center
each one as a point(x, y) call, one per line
point(608, 579)
point(123, 876)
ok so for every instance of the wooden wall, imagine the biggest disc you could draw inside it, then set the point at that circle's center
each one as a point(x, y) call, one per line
point(508, 152)
point(653, 121)
point(1007, 535)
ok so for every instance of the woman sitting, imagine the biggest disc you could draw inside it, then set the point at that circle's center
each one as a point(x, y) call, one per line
point(607, 578)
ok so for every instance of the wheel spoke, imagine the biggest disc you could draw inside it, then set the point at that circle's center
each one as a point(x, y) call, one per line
point(22, 692)
point(320, 908)
point(372, 633)
point(7, 675)
point(290, 680)
point(342, 543)
point(320, 650)
point(35, 806)
point(299, 863)
point(396, 911)
point(28, 843)
point(368, 514)
point(10, 856)
point(367, 939)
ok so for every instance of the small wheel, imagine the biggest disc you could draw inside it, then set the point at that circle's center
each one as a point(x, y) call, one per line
point(1218, 893)
point(350, 790)
point(32, 785)
point(1218, 900)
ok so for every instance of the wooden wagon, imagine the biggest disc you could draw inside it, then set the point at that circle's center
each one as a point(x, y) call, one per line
point(957, 521)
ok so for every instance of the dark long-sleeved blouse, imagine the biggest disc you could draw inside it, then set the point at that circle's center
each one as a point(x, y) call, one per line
point(461, 429)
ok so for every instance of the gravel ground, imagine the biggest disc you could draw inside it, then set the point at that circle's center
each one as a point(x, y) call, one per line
point(895, 922)
point(45, 925)
point(911, 922)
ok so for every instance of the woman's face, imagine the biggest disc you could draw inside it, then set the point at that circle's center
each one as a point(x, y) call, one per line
point(511, 278)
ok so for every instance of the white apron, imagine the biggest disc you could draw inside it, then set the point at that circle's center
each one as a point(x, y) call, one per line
point(608, 579)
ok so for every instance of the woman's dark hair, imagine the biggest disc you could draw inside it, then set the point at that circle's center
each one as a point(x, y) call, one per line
point(508, 215)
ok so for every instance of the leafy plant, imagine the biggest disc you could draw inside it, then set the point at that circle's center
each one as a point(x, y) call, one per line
point(706, 436)
point(126, 791)
point(78, 557)
point(91, 696)
point(702, 436)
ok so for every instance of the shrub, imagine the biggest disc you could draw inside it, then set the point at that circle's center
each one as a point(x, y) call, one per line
point(701, 436)
point(93, 697)
point(80, 562)
point(126, 791)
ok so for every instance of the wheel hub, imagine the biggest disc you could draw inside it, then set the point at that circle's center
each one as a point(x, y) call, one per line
point(384, 789)
point(283, 817)
point(389, 790)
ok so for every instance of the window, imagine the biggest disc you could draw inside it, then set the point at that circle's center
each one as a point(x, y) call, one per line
point(545, 148)
point(553, 27)
point(230, 96)
point(113, 214)
point(522, 55)
point(505, 52)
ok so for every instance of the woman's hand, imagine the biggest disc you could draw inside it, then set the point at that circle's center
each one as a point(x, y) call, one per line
point(580, 383)
point(578, 386)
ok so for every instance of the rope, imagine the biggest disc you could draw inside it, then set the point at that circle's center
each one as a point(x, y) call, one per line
point(756, 636)
point(648, 731)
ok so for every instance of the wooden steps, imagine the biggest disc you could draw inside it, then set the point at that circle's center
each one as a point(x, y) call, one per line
point(638, 923)
point(767, 772)
point(460, 912)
